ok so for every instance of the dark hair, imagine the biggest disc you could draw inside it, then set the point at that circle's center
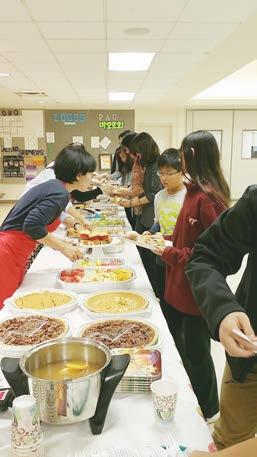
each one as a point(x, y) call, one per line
point(126, 140)
point(202, 161)
point(72, 160)
point(124, 167)
point(170, 158)
point(148, 149)
point(124, 133)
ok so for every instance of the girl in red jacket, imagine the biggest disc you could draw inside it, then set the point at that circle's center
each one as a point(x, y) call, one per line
point(207, 196)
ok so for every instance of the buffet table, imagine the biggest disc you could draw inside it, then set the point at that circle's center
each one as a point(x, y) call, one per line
point(130, 419)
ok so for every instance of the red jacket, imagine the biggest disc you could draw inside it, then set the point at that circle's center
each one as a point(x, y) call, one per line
point(197, 213)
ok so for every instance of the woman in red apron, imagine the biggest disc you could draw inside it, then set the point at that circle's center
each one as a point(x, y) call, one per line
point(36, 215)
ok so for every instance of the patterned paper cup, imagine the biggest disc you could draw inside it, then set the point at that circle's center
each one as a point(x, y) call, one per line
point(165, 395)
point(26, 434)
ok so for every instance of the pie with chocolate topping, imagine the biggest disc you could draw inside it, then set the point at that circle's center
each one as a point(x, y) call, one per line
point(122, 333)
point(30, 330)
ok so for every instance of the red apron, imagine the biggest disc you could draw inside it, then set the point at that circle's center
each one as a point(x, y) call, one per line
point(15, 249)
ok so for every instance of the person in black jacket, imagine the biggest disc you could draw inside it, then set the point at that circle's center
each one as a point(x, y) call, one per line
point(218, 253)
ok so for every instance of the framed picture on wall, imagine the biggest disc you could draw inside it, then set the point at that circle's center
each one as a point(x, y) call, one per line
point(249, 144)
point(105, 161)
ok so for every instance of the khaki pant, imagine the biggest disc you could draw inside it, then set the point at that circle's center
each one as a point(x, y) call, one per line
point(238, 410)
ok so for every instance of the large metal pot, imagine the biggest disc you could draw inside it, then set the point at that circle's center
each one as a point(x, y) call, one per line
point(71, 400)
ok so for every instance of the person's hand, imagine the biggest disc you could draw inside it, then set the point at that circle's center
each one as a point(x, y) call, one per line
point(125, 203)
point(107, 189)
point(158, 251)
point(234, 345)
point(72, 252)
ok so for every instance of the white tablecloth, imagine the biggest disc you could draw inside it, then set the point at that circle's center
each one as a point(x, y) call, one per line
point(130, 419)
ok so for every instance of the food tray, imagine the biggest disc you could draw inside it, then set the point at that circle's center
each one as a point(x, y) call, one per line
point(87, 246)
point(94, 286)
point(20, 350)
point(57, 310)
point(156, 345)
point(99, 315)
point(110, 262)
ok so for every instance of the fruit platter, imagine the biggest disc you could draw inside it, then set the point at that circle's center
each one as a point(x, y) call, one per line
point(99, 262)
point(91, 279)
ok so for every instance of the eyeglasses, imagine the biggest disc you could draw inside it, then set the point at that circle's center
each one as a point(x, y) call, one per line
point(161, 174)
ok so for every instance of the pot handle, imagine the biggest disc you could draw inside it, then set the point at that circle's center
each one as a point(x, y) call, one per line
point(111, 378)
point(15, 377)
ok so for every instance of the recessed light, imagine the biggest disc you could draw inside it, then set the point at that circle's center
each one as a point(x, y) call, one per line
point(121, 96)
point(137, 31)
point(130, 61)
point(5, 74)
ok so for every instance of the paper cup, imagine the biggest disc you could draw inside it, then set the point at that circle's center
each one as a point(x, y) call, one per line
point(165, 395)
point(26, 434)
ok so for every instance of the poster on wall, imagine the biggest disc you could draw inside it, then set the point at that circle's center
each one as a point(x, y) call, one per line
point(105, 161)
point(33, 165)
point(13, 166)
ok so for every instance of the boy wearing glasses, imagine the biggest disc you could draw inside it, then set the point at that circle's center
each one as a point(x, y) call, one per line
point(167, 204)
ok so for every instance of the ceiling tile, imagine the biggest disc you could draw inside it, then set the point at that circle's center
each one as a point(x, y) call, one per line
point(145, 10)
point(13, 10)
point(19, 82)
point(46, 68)
point(156, 30)
point(7, 68)
point(218, 11)
point(186, 30)
point(183, 45)
point(29, 57)
point(24, 31)
point(17, 45)
point(89, 84)
point(74, 46)
point(73, 31)
point(139, 45)
point(82, 58)
point(66, 10)
point(84, 68)
point(120, 82)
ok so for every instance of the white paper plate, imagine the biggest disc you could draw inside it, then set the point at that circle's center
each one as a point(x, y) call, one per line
point(57, 310)
point(94, 286)
point(146, 245)
point(8, 350)
point(95, 315)
point(157, 345)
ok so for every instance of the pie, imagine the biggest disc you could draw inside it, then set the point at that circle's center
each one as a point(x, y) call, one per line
point(42, 300)
point(30, 330)
point(116, 302)
point(121, 333)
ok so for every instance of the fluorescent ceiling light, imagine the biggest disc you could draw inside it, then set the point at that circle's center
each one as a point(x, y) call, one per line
point(121, 96)
point(5, 74)
point(130, 61)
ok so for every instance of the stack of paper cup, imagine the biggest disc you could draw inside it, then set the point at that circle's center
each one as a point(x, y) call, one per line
point(26, 437)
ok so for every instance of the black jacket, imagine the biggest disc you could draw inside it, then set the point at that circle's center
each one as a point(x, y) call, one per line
point(151, 185)
point(219, 252)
